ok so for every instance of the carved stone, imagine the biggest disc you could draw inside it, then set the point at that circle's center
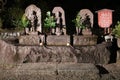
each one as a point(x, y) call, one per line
point(60, 19)
point(34, 13)
point(87, 13)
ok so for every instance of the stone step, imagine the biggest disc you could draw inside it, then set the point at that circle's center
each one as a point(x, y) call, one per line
point(49, 71)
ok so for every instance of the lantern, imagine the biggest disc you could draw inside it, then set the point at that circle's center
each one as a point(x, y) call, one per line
point(105, 19)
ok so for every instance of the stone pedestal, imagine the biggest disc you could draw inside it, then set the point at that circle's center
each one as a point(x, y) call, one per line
point(32, 40)
point(84, 40)
point(58, 40)
point(29, 40)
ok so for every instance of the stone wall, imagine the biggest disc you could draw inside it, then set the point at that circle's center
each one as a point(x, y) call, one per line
point(57, 63)
point(98, 54)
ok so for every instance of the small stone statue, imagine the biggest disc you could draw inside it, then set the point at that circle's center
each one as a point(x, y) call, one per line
point(59, 25)
point(87, 22)
point(34, 21)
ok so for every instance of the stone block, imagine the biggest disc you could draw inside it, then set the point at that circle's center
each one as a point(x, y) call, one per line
point(78, 72)
point(84, 40)
point(58, 40)
point(29, 40)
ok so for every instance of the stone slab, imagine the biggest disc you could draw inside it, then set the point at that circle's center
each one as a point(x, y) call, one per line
point(84, 40)
point(58, 40)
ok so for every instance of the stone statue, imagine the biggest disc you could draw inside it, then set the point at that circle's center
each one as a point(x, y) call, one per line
point(33, 13)
point(87, 17)
point(60, 20)
point(86, 21)
point(34, 21)
point(86, 13)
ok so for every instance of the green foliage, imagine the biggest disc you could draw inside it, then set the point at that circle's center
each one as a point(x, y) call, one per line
point(12, 17)
point(78, 22)
point(25, 21)
point(49, 21)
point(16, 14)
point(17, 23)
point(116, 30)
point(22, 23)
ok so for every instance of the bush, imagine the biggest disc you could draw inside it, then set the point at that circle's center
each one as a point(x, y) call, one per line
point(78, 22)
point(116, 30)
point(25, 21)
point(49, 21)
point(12, 17)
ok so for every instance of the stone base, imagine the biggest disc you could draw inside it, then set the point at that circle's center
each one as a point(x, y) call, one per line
point(32, 39)
point(29, 40)
point(84, 40)
point(58, 40)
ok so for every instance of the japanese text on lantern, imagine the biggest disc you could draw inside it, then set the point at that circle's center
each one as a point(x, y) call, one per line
point(105, 18)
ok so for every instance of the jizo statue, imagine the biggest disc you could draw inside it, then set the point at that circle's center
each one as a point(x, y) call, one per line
point(33, 14)
point(60, 20)
point(34, 21)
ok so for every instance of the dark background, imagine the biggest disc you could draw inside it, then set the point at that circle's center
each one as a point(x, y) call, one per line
point(71, 8)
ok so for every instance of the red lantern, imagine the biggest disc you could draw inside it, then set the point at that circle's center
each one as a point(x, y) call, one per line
point(105, 18)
